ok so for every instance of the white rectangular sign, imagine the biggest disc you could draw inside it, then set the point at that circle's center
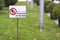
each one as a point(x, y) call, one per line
point(17, 11)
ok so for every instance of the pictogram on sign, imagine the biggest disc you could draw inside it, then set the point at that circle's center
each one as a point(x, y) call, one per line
point(12, 11)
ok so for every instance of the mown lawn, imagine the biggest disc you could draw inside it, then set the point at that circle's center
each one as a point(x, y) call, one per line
point(28, 27)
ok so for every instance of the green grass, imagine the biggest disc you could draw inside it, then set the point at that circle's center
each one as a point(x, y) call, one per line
point(28, 27)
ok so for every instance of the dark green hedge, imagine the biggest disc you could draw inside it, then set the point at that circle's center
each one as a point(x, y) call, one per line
point(56, 11)
point(36, 1)
point(1, 4)
point(9, 2)
point(50, 8)
point(46, 3)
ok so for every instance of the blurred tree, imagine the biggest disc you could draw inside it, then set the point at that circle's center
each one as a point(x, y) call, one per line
point(56, 11)
point(9, 2)
point(36, 1)
point(1, 4)
point(50, 8)
point(13, 2)
point(46, 3)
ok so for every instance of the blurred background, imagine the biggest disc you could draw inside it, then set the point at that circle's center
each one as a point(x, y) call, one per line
point(28, 28)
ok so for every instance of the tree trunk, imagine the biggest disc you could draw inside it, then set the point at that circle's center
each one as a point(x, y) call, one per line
point(59, 22)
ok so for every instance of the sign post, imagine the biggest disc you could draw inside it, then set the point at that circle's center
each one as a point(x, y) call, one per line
point(17, 30)
point(31, 7)
point(41, 6)
point(17, 12)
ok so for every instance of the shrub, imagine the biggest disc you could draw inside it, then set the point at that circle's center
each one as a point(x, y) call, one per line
point(46, 3)
point(56, 11)
point(1, 4)
point(9, 2)
point(13, 2)
point(50, 8)
point(36, 1)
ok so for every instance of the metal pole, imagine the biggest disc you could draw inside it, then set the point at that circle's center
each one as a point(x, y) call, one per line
point(27, 1)
point(41, 7)
point(17, 30)
point(31, 6)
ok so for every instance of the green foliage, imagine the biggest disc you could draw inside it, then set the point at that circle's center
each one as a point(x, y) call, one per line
point(46, 3)
point(1, 4)
point(9, 2)
point(13, 2)
point(53, 9)
point(56, 11)
point(51, 6)
point(36, 1)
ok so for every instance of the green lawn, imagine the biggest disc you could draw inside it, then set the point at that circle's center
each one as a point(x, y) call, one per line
point(28, 27)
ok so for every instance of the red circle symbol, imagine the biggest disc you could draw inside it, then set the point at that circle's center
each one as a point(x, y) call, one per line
point(13, 11)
